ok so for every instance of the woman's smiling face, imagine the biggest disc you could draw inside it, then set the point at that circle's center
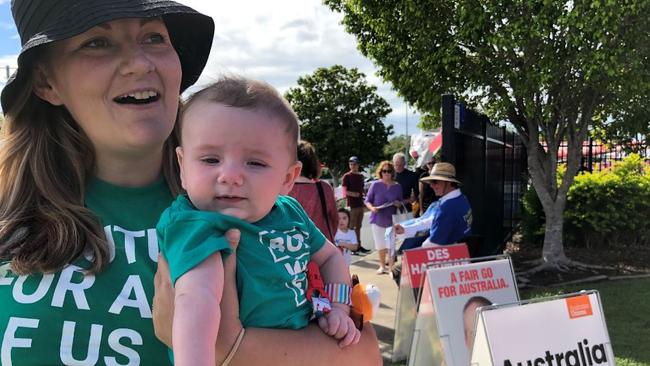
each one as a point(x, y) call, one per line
point(120, 81)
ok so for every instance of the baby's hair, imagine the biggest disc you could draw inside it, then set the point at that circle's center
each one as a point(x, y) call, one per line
point(345, 211)
point(256, 95)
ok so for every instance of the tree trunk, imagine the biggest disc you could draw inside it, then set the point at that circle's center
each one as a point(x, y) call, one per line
point(335, 177)
point(573, 128)
point(553, 249)
point(553, 196)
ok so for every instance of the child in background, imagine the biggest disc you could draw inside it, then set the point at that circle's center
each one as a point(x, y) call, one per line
point(238, 160)
point(345, 238)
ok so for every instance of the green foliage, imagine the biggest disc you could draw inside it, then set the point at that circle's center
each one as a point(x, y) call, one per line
point(604, 208)
point(396, 144)
point(527, 56)
point(551, 68)
point(532, 218)
point(612, 206)
point(341, 114)
point(429, 122)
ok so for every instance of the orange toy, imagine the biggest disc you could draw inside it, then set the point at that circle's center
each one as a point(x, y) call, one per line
point(365, 301)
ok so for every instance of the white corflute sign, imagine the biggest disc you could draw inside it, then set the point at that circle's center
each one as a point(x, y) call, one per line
point(569, 330)
point(444, 325)
point(414, 266)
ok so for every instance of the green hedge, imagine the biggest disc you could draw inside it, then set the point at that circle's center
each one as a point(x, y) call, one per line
point(610, 207)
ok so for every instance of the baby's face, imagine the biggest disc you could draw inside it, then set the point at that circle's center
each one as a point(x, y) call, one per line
point(235, 161)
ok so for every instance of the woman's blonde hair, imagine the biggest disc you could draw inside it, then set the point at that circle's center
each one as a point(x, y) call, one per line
point(45, 162)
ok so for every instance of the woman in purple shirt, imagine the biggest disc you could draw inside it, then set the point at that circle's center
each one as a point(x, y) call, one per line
point(382, 199)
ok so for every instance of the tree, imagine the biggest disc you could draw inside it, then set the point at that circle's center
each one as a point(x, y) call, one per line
point(551, 68)
point(397, 144)
point(400, 143)
point(629, 128)
point(341, 114)
point(429, 121)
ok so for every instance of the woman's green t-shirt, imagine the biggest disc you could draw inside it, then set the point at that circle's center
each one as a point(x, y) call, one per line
point(66, 318)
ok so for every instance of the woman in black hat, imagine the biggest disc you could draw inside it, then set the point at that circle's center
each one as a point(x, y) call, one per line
point(86, 167)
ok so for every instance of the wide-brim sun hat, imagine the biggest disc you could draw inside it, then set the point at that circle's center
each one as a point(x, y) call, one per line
point(442, 171)
point(40, 22)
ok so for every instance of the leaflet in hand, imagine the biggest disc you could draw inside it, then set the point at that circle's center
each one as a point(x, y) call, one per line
point(387, 204)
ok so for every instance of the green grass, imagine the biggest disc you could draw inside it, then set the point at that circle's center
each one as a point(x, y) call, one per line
point(626, 304)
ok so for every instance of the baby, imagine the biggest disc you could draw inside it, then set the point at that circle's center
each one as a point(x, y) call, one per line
point(238, 161)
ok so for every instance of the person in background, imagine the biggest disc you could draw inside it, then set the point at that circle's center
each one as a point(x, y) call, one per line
point(314, 195)
point(407, 179)
point(383, 198)
point(352, 184)
point(450, 217)
point(448, 220)
point(87, 166)
point(427, 195)
point(345, 238)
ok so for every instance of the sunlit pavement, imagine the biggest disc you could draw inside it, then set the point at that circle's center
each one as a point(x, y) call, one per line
point(365, 266)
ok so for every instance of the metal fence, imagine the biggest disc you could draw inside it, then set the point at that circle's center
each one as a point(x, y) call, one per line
point(597, 155)
point(490, 161)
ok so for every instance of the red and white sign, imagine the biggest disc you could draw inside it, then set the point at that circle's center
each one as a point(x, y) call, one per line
point(414, 265)
point(416, 261)
point(424, 146)
point(450, 297)
point(568, 330)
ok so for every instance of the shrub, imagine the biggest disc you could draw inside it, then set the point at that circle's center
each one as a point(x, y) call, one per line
point(532, 218)
point(604, 208)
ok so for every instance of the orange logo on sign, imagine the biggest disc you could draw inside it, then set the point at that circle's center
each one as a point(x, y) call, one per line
point(579, 306)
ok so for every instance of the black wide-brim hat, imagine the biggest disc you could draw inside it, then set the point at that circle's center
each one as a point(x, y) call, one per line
point(44, 21)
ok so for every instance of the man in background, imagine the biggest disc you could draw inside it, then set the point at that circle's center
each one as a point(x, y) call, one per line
point(353, 192)
point(409, 180)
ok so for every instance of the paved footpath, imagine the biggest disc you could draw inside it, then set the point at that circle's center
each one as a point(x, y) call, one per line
point(384, 320)
point(365, 267)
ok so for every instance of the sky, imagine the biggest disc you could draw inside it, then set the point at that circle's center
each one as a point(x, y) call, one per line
point(259, 39)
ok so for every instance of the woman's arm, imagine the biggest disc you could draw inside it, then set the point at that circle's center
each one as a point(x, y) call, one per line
point(332, 213)
point(370, 198)
point(308, 346)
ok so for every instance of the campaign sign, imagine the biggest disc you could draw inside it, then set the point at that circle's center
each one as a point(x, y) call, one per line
point(417, 260)
point(414, 265)
point(445, 323)
point(568, 330)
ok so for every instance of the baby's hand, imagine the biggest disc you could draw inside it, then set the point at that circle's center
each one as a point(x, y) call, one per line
point(338, 324)
point(233, 236)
